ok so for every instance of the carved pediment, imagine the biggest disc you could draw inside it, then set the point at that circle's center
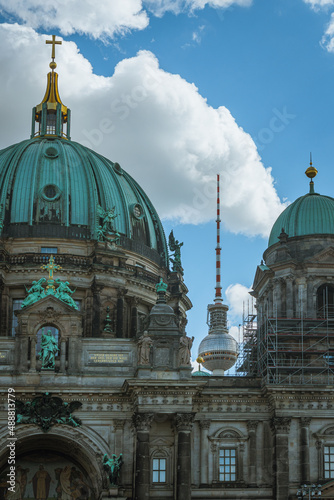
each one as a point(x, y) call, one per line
point(49, 311)
point(326, 256)
point(262, 273)
point(48, 302)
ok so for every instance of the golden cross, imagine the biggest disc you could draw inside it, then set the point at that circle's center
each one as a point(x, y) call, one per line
point(54, 43)
point(50, 267)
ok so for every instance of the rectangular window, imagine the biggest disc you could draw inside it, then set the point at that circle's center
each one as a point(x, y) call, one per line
point(49, 250)
point(227, 464)
point(159, 470)
point(329, 462)
point(16, 307)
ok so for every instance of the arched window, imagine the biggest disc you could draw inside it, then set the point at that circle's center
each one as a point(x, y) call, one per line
point(325, 301)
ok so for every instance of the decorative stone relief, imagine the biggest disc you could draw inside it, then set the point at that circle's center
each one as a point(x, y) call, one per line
point(184, 421)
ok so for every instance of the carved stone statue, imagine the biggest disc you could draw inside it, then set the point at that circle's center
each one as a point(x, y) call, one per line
point(175, 246)
point(113, 467)
point(144, 347)
point(185, 349)
point(49, 349)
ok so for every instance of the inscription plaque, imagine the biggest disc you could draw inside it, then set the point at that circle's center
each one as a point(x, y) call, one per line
point(108, 358)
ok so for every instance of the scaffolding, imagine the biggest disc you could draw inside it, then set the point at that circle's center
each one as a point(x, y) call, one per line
point(289, 351)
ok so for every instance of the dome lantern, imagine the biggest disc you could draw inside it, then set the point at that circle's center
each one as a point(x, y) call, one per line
point(52, 117)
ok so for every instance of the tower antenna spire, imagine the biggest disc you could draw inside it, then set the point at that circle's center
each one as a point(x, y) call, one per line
point(218, 295)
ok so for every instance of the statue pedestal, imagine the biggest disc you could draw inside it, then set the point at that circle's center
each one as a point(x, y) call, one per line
point(113, 493)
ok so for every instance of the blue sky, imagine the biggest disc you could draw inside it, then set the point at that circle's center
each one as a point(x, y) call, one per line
point(239, 90)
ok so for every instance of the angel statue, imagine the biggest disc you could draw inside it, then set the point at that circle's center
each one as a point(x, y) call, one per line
point(113, 467)
point(107, 229)
point(175, 246)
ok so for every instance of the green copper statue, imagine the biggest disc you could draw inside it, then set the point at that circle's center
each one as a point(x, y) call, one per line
point(64, 293)
point(35, 293)
point(49, 350)
point(161, 286)
point(175, 246)
point(106, 231)
point(113, 467)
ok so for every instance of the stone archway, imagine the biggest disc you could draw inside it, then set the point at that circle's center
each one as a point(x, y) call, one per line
point(62, 458)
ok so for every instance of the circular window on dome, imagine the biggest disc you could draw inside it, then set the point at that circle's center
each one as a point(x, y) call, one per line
point(51, 153)
point(50, 192)
point(118, 168)
point(137, 211)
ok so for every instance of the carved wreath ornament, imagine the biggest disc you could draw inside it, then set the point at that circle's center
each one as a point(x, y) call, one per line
point(46, 411)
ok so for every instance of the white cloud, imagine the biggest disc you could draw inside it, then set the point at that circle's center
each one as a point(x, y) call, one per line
point(160, 7)
point(315, 4)
point(155, 124)
point(328, 38)
point(112, 17)
point(239, 301)
point(101, 20)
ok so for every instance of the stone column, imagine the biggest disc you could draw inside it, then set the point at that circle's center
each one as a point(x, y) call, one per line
point(240, 469)
point(134, 317)
point(62, 368)
point(22, 341)
point(281, 428)
point(277, 309)
point(96, 321)
point(289, 297)
point(2, 311)
point(305, 449)
point(73, 354)
point(270, 300)
point(118, 426)
point(33, 354)
point(301, 298)
point(183, 424)
point(204, 426)
point(311, 312)
point(120, 313)
point(142, 423)
point(252, 426)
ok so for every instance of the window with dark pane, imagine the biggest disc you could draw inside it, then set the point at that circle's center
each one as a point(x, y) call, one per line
point(52, 250)
point(159, 470)
point(227, 464)
point(329, 462)
point(16, 307)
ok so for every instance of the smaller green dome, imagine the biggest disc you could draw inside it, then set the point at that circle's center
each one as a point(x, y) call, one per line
point(310, 214)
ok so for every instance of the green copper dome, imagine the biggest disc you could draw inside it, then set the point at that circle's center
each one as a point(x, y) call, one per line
point(52, 187)
point(310, 214)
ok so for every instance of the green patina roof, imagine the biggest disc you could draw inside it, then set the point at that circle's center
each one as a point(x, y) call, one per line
point(200, 373)
point(310, 214)
point(69, 181)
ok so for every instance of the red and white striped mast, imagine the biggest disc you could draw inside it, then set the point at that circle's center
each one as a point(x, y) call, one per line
point(218, 296)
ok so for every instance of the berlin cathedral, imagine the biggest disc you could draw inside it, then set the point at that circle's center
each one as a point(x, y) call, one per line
point(98, 397)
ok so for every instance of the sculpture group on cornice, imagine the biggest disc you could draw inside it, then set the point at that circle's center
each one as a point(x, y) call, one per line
point(55, 287)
